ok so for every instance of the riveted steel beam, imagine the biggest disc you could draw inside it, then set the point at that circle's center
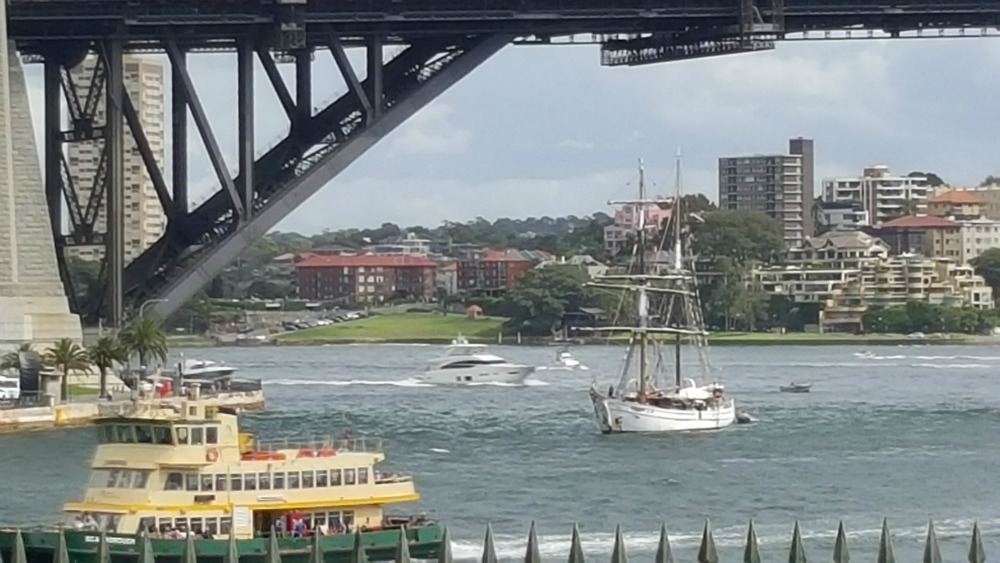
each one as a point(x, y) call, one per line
point(204, 127)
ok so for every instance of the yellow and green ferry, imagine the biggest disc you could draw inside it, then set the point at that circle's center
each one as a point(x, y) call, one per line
point(172, 477)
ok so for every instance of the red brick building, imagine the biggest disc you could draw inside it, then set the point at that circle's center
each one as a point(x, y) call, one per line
point(369, 278)
point(494, 270)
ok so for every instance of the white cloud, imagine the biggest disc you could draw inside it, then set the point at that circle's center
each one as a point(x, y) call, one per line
point(432, 131)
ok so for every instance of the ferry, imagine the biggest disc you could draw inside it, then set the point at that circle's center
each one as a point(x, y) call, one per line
point(165, 477)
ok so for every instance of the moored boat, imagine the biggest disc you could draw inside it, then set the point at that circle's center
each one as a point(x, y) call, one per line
point(167, 478)
point(794, 387)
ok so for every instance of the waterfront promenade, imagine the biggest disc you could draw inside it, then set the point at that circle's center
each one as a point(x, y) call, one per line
point(243, 394)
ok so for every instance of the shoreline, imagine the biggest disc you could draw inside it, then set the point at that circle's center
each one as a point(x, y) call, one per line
point(723, 339)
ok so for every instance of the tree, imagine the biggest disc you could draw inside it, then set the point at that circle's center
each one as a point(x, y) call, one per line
point(990, 180)
point(144, 337)
point(541, 296)
point(739, 234)
point(104, 354)
point(67, 356)
point(12, 360)
point(987, 265)
point(697, 203)
point(933, 179)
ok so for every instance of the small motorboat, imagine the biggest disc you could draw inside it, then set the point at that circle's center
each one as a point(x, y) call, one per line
point(796, 387)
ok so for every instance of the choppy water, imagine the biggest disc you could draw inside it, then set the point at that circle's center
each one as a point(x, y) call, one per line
point(906, 432)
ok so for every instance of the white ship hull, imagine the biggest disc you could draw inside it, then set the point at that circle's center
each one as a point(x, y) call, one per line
point(617, 416)
point(478, 375)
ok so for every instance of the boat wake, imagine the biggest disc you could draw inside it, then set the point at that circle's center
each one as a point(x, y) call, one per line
point(408, 382)
point(525, 383)
point(600, 544)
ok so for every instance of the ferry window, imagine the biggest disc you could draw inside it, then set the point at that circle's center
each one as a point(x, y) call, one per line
point(197, 436)
point(307, 479)
point(191, 482)
point(334, 477)
point(293, 479)
point(182, 435)
point(322, 478)
point(265, 481)
point(113, 476)
point(124, 434)
point(139, 479)
point(213, 525)
point(108, 434)
point(212, 435)
point(319, 518)
point(196, 525)
point(236, 482)
point(225, 525)
point(347, 518)
point(181, 524)
point(174, 482)
point(362, 475)
point(206, 482)
point(146, 524)
point(161, 435)
point(143, 434)
point(279, 481)
point(220, 482)
point(250, 481)
point(349, 477)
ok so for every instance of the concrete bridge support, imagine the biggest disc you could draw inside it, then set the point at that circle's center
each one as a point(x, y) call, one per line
point(33, 304)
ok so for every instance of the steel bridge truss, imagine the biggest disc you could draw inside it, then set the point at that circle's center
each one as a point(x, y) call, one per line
point(199, 243)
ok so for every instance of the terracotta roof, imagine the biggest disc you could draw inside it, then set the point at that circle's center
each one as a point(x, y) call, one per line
point(510, 255)
point(956, 197)
point(366, 260)
point(919, 222)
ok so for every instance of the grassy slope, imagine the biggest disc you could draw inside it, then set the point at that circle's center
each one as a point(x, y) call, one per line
point(407, 326)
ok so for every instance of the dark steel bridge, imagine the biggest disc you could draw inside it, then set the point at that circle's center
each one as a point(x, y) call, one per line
point(440, 42)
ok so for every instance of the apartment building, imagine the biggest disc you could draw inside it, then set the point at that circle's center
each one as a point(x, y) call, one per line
point(880, 194)
point(848, 272)
point(780, 185)
point(410, 245)
point(932, 236)
point(625, 225)
point(145, 220)
point(493, 270)
point(365, 278)
point(988, 196)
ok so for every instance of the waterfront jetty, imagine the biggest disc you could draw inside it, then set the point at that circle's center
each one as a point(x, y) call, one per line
point(139, 548)
point(246, 394)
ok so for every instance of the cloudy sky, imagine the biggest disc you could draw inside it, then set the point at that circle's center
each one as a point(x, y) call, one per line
point(548, 131)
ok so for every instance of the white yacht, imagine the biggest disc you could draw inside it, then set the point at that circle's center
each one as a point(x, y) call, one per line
point(465, 364)
point(565, 362)
point(206, 370)
point(665, 303)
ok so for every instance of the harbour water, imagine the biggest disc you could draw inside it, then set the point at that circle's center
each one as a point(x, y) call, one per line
point(908, 432)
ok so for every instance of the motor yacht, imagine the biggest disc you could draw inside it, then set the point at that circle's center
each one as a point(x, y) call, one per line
point(468, 364)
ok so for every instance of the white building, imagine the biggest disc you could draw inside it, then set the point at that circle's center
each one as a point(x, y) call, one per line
point(978, 236)
point(145, 220)
point(410, 245)
point(880, 194)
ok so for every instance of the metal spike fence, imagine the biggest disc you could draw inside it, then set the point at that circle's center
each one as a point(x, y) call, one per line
point(707, 552)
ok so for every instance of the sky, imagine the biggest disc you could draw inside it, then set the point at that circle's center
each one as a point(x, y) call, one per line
point(540, 131)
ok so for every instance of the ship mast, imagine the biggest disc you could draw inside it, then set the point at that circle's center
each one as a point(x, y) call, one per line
point(641, 297)
point(677, 214)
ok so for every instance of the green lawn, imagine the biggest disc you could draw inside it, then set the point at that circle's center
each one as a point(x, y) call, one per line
point(430, 327)
point(814, 338)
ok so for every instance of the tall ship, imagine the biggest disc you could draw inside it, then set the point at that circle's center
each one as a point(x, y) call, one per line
point(661, 310)
point(165, 477)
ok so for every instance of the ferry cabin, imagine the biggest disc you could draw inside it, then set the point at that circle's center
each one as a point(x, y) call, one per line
point(200, 474)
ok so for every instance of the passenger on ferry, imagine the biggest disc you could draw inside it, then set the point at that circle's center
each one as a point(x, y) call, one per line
point(279, 526)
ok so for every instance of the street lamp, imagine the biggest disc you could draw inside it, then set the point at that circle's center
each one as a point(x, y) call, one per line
point(147, 302)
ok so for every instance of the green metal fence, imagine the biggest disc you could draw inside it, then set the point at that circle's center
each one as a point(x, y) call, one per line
point(707, 552)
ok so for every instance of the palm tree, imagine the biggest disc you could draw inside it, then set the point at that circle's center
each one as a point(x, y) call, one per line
point(67, 356)
point(145, 338)
point(104, 353)
point(12, 360)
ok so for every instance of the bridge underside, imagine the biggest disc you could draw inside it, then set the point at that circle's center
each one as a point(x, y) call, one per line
point(431, 54)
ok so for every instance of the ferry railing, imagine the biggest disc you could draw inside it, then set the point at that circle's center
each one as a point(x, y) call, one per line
point(707, 553)
point(361, 444)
